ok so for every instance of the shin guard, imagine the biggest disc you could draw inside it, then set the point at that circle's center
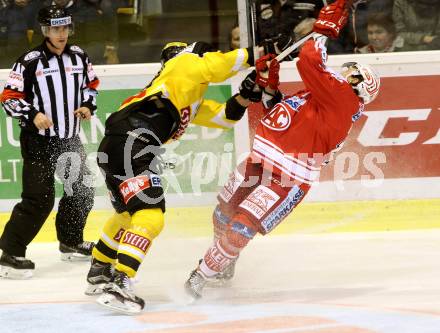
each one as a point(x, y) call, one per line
point(107, 247)
point(146, 225)
point(226, 250)
point(220, 222)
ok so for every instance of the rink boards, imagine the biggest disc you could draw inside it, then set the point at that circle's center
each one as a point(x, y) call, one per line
point(308, 218)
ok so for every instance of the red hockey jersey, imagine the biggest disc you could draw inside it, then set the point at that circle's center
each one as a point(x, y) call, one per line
point(298, 134)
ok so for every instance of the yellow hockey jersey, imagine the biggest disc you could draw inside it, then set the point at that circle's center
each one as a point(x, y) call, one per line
point(184, 80)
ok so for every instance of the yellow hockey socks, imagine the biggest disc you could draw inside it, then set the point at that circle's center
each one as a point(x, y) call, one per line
point(107, 247)
point(146, 225)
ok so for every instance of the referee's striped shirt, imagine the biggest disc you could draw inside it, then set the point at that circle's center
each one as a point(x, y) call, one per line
point(41, 81)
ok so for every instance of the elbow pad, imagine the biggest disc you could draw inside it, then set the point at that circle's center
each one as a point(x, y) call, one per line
point(234, 110)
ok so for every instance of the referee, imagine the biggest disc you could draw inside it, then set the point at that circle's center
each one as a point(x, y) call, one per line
point(50, 89)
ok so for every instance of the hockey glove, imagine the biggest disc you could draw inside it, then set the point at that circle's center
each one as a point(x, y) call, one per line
point(271, 79)
point(332, 19)
point(249, 89)
point(278, 44)
point(269, 100)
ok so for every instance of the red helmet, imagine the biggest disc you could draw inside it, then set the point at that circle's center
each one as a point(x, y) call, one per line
point(369, 82)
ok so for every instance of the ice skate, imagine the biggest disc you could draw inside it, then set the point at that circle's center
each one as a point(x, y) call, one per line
point(12, 267)
point(99, 275)
point(223, 278)
point(195, 284)
point(118, 296)
point(226, 276)
point(80, 252)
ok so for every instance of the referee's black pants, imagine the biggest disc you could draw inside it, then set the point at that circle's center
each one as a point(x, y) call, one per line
point(40, 157)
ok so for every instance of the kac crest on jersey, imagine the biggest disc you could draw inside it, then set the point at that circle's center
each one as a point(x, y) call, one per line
point(278, 119)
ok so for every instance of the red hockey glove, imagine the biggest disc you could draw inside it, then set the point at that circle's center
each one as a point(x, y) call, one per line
point(271, 79)
point(332, 19)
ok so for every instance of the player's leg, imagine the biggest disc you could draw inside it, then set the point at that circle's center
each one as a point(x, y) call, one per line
point(146, 225)
point(76, 202)
point(29, 215)
point(142, 195)
point(261, 211)
point(105, 252)
point(221, 254)
point(239, 185)
point(227, 225)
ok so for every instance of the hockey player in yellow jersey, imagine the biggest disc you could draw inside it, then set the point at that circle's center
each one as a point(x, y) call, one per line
point(128, 153)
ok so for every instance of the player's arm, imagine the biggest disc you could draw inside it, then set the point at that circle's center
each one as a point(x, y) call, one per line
point(312, 67)
point(213, 114)
point(268, 80)
point(221, 115)
point(225, 115)
point(218, 66)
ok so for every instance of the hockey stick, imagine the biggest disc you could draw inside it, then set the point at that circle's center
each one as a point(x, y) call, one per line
point(295, 45)
point(254, 25)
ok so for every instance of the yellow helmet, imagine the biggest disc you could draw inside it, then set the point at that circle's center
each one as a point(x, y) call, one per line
point(171, 50)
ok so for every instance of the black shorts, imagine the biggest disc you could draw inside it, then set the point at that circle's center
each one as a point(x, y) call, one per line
point(133, 181)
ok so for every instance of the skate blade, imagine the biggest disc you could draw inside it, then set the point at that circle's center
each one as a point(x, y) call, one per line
point(218, 283)
point(74, 257)
point(191, 296)
point(15, 274)
point(111, 302)
point(95, 289)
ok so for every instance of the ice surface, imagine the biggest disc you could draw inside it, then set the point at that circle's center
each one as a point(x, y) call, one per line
point(333, 283)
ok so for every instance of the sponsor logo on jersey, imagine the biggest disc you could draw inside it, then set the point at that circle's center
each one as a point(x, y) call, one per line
point(137, 241)
point(76, 48)
point(12, 103)
point(231, 186)
point(130, 187)
point(185, 115)
point(284, 209)
point(358, 114)
point(32, 55)
point(220, 217)
point(75, 69)
point(295, 102)
point(278, 119)
point(155, 181)
point(45, 72)
point(119, 234)
point(217, 259)
point(260, 201)
point(243, 230)
point(15, 81)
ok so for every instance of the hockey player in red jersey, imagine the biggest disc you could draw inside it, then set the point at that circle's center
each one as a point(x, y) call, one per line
point(293, 140)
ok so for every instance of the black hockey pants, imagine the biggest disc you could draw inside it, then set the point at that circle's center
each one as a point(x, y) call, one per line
point(40, 156)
